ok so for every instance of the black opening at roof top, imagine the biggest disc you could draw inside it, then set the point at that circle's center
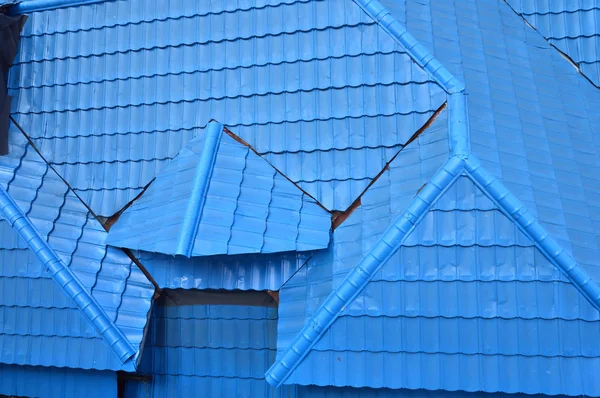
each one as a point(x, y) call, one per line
point(10, 30)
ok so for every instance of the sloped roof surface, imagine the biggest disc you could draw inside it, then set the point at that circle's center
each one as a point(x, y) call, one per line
point(533, 118)
point(219, 350)
point(105, 284)
point(571, 26)
point(219, 197)
point(39, 322)
point(306, 291)
point(241, 272)
point(318, 88)
point(475, 306)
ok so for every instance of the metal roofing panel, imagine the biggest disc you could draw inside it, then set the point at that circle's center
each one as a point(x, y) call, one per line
point(454, 315)
point(42, 382)
point(219, 197)
point(532, 116)
point(70, 240)
point(243, 272)
point(571, 26)
point(219, 350)
point(319, 80)
point(302, 295)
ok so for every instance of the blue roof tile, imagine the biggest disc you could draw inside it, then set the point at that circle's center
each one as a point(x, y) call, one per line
point(319, 83)
point(219, 197)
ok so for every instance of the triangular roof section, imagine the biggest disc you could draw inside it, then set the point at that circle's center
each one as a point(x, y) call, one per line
point(217, 196)
point(103, 282)
point(465, 272)
point(461, 160)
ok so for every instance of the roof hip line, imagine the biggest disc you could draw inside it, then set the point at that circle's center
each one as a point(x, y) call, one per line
point(204, 169)
point(423, 57)
point(65, 278)
point(519, 214)
point(362, 273)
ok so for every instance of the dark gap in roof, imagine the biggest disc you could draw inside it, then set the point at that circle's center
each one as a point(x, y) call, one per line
point(124, 377)
point(181, 297)
point(564, 55)
point(12, 119)
point(108, 222)
point(241, 141)
point(343, 216)
point(10, 32)
point(144, 270)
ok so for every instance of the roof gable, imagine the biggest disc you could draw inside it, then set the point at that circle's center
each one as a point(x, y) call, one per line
point(477, 297)
point(218, 196)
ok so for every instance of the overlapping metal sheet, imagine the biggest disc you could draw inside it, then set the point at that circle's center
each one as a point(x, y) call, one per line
point(570, 26)
point(305, 83)
point(42, 382)
point(44, 322)
point(467, 303)
point(215, 350)
point(219, 197)
point(533, 118)
point(242, 272)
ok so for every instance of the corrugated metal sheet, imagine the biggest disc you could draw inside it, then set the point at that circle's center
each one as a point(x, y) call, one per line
point(42, 326)
point(41, 382)
point(214, 350)
point(305, 83)
point(571, 26)
point(467, 303)
point(219, 197)
point(243, 272)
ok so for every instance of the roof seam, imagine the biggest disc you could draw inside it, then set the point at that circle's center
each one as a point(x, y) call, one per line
point(195, 206)
point(362, 273)
point(29, 6)
point(65, 278)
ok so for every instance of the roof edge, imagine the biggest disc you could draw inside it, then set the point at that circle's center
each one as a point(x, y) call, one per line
point(64, 277)
point(28, 6)
point(519, 214)
point(204, 170)
point(361, 274)
point(423, 57)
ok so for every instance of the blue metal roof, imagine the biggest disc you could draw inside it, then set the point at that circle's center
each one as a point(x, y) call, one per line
point(241, 272)
point(570, 26)
point(217, 350)
point(317, 88)
point(219, 197)
point(44, 382)
point(64, 290)
point(533, 119)
point(356, 290)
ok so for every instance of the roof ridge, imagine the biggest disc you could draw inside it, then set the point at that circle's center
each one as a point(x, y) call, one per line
point(391, 240)
point(65, 278)
point(195, 206)
point(419, 53)
point(362, 273)
point(457, 103)
point(518, 213)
